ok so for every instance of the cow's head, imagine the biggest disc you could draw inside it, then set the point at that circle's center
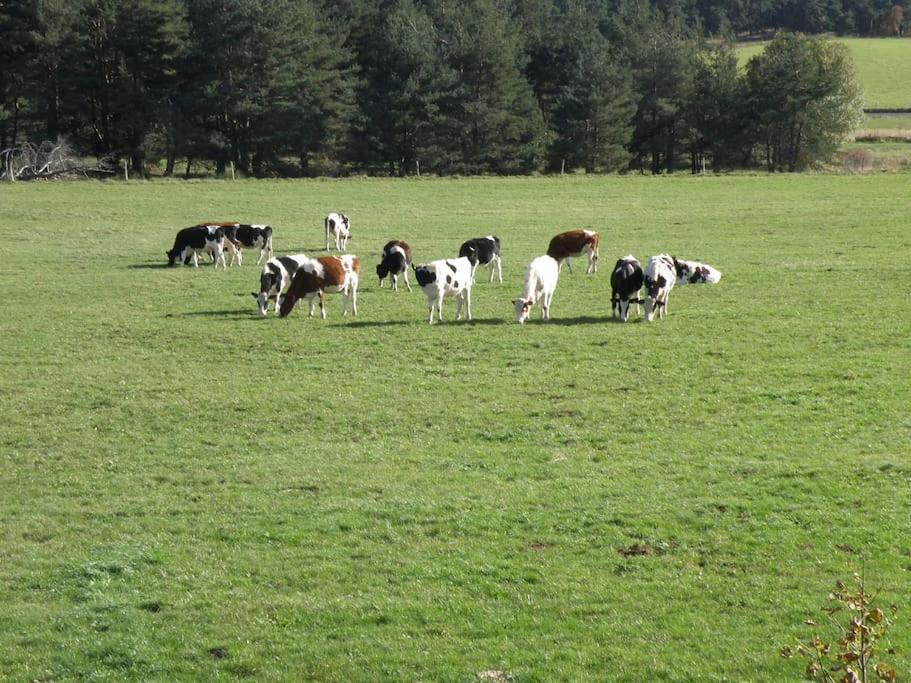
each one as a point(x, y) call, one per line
point(471, 253)
point(523, 308)
point(655, 288)
point(172, 256)
point(382, 270)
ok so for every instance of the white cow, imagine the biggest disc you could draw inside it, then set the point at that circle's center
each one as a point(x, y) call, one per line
point(540, 283)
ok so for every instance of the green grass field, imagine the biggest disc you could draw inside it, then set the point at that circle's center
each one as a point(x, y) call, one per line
point(188, 490)
point(881, 68)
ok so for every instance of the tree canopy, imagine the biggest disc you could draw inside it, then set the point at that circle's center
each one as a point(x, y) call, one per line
point(302, 87)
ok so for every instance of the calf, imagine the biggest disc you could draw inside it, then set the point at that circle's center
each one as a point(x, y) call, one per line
point(694, 272)
point(625, 283)
point(276, 277)
point(395, 259)
point(190, 241)
point(316, 276)
point(338, 225)
point(483, 251)
point(540, 282)
point(242, 235)
point(443, 278)
point(659, 278)
point(575, 243)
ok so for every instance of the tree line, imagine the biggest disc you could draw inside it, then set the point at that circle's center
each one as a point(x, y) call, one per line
point(402, 87)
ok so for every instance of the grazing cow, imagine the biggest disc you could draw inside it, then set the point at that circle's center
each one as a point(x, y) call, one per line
point(575, 243)
point(540, 282)
point(694, 272)
point(483, 251)
point(395, 259)
point(320, 275)
point(625, 283)
point(276, 277)
point(338, 225)
point(190, 241)
point(659, 278)
point(242, 235)
point(443, 278)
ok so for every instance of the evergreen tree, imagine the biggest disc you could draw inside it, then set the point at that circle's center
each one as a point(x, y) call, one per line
point(805, 98)
point(489, 120)
point(716, 112)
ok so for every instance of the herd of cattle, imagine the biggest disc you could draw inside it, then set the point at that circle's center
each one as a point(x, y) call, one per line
point(291, 278)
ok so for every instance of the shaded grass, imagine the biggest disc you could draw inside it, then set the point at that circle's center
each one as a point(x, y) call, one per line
point(188, 490)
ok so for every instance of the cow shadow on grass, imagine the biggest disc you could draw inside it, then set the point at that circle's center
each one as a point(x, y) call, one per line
point(578, 320)
point(227, 314)
point(144, 266)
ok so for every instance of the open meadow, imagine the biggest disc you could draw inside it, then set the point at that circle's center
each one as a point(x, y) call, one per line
point(189, 490)
point(881, 65)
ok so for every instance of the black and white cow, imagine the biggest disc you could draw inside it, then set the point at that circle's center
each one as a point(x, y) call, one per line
point(483, 251)
point(190, 241)
point(276, 276)
point(659, 278)
point(625, 282)
point(694, 273)
point(446, 277)
point(394, 260)
point(252, 236)
point(338, 225)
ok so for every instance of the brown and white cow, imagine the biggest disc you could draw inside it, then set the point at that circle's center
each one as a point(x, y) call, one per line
point(575, 243)
point(323, 274)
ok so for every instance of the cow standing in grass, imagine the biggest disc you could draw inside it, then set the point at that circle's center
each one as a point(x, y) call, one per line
point(575, 243)
point(625, 281)
point(337, 225)
point(189, 242)
point(446, 277)
point(659, 278)
point(317, 276)
point(484, 251)
point(394, 261)
point(276, 277)
point(540, 284)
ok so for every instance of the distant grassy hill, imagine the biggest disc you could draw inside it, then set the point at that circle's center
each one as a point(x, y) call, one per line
point(882, 67)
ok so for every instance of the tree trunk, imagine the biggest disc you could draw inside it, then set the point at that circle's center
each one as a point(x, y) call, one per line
point(137, 161)
point(186, 174)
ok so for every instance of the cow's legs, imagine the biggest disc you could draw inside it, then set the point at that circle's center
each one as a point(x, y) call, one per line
point(311, 303)
point(322, 304)
point(195, 259)
point(440, 308)
point(405, 275)
point(354, 299)
point(395, 282)
point(569, 264)
point(499, 269)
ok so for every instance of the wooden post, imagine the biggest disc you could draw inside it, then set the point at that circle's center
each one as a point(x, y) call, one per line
point(417, 165)
point(232, 171)
point(562, 166)
point(703, 165)
point(126, 172)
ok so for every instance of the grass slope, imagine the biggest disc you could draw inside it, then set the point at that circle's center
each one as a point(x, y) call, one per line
point(187, 490)
point(881, 68)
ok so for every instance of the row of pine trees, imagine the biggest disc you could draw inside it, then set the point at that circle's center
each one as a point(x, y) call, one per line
point(402, 87)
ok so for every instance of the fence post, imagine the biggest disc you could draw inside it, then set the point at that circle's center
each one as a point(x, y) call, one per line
point(232, 171)
point(126, 173)
point(562, 166)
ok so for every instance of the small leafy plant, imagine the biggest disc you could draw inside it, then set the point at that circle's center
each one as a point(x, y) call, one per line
point(855, 656)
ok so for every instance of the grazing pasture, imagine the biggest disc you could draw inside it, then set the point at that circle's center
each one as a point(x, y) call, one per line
point(881, 65)
point(188, 489)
